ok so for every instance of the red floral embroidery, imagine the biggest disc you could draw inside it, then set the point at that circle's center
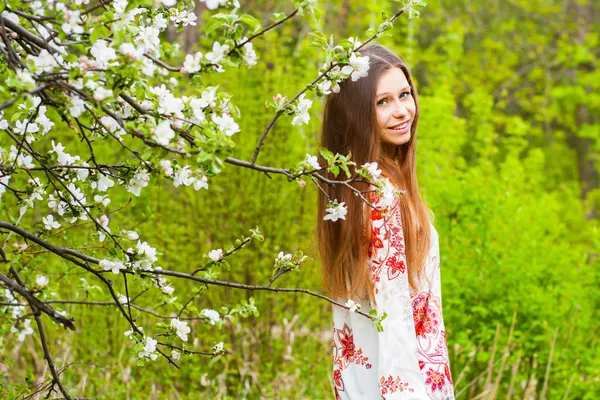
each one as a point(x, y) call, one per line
point(337, 394)
point(349, 352)
point(392, 385)
point(376, 242)
point(376, 215)
point(448, 375)
point(337, 379)
point(396, 266)
point(435, 380)
point(347, 342)
point(426, 318)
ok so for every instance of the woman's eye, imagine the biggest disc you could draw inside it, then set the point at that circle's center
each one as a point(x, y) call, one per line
point(404, 95)
point(382, 102)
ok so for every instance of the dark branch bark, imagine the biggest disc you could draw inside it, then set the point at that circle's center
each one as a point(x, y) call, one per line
point(38, 304)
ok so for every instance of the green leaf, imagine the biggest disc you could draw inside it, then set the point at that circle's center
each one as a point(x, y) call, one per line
point(99, 32)
point(278, 17)
point(212, 25)
point(252, 22)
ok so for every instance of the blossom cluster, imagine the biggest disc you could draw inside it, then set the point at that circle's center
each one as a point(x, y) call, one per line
point(386, 190)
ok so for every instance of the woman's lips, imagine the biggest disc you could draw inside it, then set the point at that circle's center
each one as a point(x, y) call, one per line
point(400, 128)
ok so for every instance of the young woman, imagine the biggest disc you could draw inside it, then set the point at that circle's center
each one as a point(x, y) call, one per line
point(383, 255)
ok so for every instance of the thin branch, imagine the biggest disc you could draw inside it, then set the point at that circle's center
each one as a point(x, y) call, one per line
point(38, 304)
point(268, 28)
point(28, 35)
point(48, 357)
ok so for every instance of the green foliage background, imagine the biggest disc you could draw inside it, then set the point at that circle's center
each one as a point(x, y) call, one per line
point(509, 139)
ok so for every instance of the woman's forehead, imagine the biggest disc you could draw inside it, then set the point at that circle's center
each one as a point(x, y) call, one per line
point(392, 79)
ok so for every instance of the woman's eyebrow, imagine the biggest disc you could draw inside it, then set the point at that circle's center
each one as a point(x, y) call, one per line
point(404, 89)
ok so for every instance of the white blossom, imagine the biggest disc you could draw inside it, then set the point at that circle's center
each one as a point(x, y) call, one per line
point(50, 223)
point(170, 105)
point(131, 235)
point(77, 106)
point(217, 53)
point(139, 181)
point(163, 133)
point(373, 170)
point(101, 93)
point(387, 193)
point(354, 307)
point(215, 255)
point(183, 177)
point(197, 106)
point(201, 183)
point(147, 39)
point(4, 181)
point(312, 161)
point(104, 200)
point(282, 257)
point(26, 127)
point(130, 50)
point(43, 120)
point(84, 172)
point(25, 331)
point(76, 194)
point(211, 315)
point(358, 67)
point(175, 355)
point(181, 328)
point(167, 289)
point(103, 53)
point(160, 22)
point(183, 17)
point(23, 160)
point(226, 124)
point(103, 184)
point(3, 122)
point(250, 56)
point(71, 25)
point(103, 221)
point(45, 62)
point(301, 111)
point(192, 63)
point(148, 255)
point(114, 266)
point(149, 67)
point(41, 281)
point(336, 211)
point(111, 125)
point(214, 4)
point(119, 5)
point(149, 350)
point(37, 7)
point(325, 87)
point(218, 348)
point(166, 168)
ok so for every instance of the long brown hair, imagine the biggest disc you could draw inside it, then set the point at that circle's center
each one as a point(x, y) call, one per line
point(350, 125)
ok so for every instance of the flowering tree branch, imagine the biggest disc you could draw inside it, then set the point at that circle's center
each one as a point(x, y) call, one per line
point(99, 73)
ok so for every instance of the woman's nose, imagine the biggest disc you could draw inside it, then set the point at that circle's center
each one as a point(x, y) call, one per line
point(399, 109)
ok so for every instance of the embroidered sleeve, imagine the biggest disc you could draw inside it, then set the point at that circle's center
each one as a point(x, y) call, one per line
point(399, 373)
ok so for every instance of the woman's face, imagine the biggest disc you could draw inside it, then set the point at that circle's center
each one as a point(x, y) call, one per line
point(395, 109)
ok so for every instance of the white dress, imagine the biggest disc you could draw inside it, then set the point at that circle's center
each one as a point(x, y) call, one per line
point(409, 359)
